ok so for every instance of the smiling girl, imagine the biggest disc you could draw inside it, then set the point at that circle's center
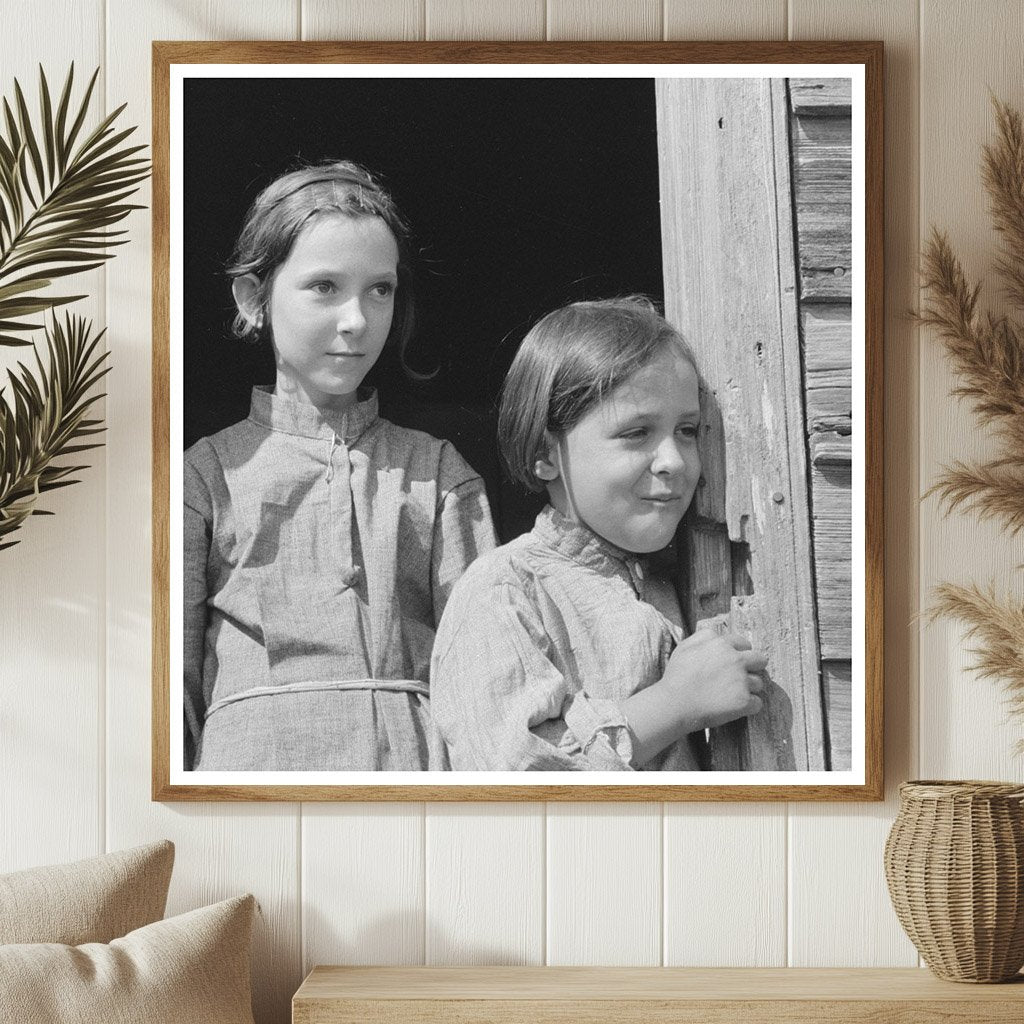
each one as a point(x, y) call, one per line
point(560, 650)
point(320, 541)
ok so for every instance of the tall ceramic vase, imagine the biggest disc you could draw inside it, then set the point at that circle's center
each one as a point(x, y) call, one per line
point(954, 861)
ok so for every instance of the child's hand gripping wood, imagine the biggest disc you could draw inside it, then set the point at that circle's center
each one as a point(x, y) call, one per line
point(712, 678)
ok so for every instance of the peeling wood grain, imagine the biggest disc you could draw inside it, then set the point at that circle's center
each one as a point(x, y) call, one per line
point(825, 333)
point(834, 584)
point(836, 682)
point(821, 95)
point(830, 487)
point(821, 150)
point(829, 409)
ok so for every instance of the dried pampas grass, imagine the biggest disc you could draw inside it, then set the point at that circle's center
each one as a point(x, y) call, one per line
point(987, 353)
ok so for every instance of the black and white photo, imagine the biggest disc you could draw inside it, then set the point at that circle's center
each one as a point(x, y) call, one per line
point(518, 430)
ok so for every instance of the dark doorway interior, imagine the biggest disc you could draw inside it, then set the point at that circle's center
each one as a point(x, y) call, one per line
point(523, 194)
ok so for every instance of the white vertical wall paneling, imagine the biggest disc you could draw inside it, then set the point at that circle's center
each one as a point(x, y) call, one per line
point(725, 885)
point(604, 884)
point(835, 850)
point(362, 884)
point(726, 19)
point(51, 582)
point(485, 19)
point(966, 50)
point(222, 849)
point(725, 866)
point(485, 883)
point(363, 19)
point(485, 862)
point(604, 19)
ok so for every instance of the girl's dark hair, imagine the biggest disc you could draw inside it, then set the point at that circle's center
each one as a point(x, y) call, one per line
point(569, 361)
point(284, 207)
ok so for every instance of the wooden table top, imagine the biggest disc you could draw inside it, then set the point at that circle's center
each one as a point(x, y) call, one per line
point(646, 983)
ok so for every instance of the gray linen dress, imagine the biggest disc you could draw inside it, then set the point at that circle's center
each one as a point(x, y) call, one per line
point(319, 553)
point(540, 641)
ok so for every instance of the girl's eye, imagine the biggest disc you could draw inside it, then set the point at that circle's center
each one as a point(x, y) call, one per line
point(687, 429)
point(322, 287)
point(383, 290)
point(636, 434)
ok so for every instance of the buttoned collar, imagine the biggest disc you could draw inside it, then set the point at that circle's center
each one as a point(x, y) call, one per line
point(581, 544)
point(304, 420)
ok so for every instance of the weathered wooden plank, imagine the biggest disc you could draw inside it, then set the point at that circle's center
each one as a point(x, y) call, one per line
point(831, 465)
point(829, 409)
point(829, 377)
point(825, 236)
point(834, 585)
point(827, 283)
point(830, 485)
point(822, 193)
point(821, 95)
point(821, 155)
point(827, 345)
point(825, 331)
point(706, 570)
point(730, 276)
point(821, 174)
point(829, 448)
point(837, 684)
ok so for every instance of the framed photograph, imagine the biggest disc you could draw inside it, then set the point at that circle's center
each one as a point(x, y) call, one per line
point(517, 421)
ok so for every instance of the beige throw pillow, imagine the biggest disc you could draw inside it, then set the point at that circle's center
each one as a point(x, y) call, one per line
point(190, 969)
point(92, 900)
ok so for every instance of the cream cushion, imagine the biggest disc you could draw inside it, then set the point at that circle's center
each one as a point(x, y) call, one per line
point(190, 969)
point(92, 900)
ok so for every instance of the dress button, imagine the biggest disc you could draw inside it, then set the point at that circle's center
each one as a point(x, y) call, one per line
point(350, 577)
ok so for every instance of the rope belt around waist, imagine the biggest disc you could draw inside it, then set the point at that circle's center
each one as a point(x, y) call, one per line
point(393, 685)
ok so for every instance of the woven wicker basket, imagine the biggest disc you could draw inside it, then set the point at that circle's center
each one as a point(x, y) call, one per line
point(954, 861)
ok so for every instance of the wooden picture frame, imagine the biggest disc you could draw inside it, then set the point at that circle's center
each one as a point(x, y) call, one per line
point(769, 168)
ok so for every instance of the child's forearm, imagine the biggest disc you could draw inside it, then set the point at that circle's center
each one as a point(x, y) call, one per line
point(656, 720)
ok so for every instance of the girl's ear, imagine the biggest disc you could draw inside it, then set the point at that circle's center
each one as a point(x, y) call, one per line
point(546, 466)
point(246, 290)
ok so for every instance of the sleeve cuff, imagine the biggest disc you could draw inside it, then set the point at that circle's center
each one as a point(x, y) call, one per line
point(598, 729)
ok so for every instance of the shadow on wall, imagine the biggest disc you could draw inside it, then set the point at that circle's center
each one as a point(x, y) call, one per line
point(389, 939)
